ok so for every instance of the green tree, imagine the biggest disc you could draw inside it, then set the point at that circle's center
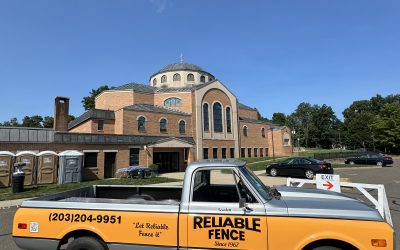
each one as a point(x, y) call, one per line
point(13, 122)
point(89, 101)
point(324, 126)
point(48, 122)
point(386, 128)
point(279, 119)
point(32, 121)
point(301, 121)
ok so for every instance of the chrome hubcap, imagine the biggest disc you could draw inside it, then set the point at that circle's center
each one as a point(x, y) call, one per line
point(309, 174)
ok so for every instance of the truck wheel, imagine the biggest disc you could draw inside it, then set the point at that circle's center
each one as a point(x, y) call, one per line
point(327, 248)
point(87, 243)
point(273, 172)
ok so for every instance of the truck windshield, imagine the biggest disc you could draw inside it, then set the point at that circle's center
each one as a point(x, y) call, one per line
point(263, 190)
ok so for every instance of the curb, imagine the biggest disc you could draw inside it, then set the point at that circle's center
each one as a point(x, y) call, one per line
point(357, 168)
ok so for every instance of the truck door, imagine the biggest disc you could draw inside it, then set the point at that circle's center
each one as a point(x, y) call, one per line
point(216, 219)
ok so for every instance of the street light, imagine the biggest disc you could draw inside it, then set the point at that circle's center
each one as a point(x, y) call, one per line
point(293, 135)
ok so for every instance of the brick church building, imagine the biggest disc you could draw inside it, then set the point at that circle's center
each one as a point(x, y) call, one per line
point(184, 114)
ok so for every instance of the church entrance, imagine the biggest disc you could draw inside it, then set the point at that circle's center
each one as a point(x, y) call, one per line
point(166, 161)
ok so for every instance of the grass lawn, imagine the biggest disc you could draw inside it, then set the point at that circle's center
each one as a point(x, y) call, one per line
point(311, 151)
point(40, 190)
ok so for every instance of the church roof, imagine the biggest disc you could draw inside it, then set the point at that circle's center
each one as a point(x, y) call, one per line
point(241, 105)
point(155, 109)
point(92, 114)
point(149, 89)
point(180, 66)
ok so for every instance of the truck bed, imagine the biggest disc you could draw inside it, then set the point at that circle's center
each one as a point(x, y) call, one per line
point(118, 194)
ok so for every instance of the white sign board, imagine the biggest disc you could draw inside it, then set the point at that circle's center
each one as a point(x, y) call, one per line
point(328, 182)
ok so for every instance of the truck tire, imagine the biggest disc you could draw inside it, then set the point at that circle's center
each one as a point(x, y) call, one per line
point(327, 248)
point(87, 243)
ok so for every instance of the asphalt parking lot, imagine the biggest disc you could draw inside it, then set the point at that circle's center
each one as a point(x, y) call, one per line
point(389, 176)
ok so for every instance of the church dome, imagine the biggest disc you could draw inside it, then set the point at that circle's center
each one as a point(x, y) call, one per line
point(179, 75)
point(180, 66)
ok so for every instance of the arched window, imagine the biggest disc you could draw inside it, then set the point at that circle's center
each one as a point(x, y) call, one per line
point(245, 130)
point(163, 125)
point(173, 101)
point(141, 124)
point(163, 79)
point(263, 132)
point(176, 77)
point(182, 127)
point(286, 139)
point(202, 79)
point(228, 120)
point(190, 77)
point(217, 117)
point(154, 82)
point(206, 121)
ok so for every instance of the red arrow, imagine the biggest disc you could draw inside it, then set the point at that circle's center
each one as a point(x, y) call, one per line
point(328, 184)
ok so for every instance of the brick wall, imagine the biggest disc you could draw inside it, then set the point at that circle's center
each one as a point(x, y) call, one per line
point(85, 127)
point(279, 147)
point(113, 100)
point(210, 144)
point(130, 124)
point(186, 98)
point(91, 126)
point(254, 139)
point(253, 114)
point(216, 95)
point(143, 98)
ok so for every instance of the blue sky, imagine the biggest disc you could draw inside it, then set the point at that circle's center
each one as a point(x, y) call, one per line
point(271, 54)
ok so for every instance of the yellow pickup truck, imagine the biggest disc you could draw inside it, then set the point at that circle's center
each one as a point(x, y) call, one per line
point(233, 210)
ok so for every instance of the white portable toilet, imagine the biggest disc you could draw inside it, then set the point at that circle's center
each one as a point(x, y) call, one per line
point(47, 167)
point(29, 158)
point(70, 169)
point(6, 167)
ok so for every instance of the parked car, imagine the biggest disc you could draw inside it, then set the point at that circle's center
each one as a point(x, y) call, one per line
point(300, 167)
point(370, 159)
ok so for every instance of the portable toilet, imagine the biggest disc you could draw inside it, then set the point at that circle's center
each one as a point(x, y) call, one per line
point(6, 166)
point(29, 158)
point(47, 167)
point(70, 169)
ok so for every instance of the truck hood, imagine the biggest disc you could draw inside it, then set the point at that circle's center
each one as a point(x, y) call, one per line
point(304, 202)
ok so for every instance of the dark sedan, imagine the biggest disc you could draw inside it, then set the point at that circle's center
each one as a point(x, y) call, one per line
point(300, 167)
point(370, 159)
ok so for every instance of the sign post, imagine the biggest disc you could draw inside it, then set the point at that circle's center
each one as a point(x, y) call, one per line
point(328, 182)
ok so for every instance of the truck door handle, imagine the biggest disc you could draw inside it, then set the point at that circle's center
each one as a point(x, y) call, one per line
point(248, 209)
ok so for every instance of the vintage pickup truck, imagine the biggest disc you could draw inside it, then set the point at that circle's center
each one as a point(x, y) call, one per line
point(222, 205)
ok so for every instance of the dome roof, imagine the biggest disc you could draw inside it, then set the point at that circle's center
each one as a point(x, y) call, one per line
point(180, 66)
